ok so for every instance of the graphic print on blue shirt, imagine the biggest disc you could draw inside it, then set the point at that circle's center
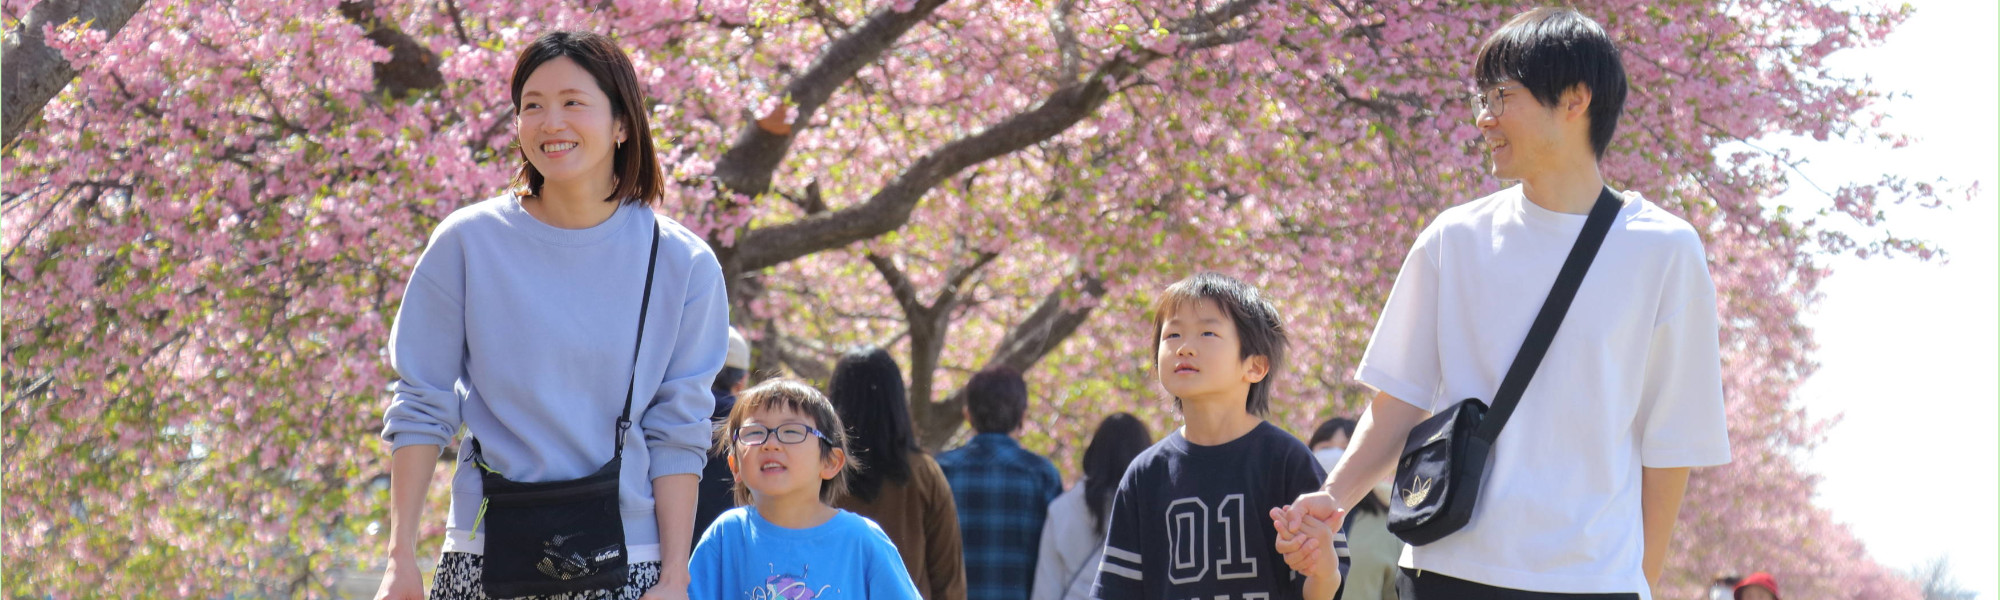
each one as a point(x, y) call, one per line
point(789, 587)
point(1193, 521)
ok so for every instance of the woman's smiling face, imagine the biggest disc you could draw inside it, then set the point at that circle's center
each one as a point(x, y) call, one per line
point(565, 125)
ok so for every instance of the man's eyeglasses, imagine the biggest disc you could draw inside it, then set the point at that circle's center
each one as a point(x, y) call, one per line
point(789, 433)
point(1495, 102)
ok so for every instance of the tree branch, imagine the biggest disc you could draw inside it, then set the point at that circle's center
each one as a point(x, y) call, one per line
point(411, 67)
point(1047, 326)
point(457, 21)
point(955, 280)
point(899, 287)
point(32, 72)
point(746, 167)
point(794, 355)
point(929, 325)
point(1215, 18)
point(1066, 43)
point(890, 207)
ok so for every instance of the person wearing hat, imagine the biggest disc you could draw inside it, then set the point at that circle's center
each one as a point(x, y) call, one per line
point(715, 491)
point(1758, 586)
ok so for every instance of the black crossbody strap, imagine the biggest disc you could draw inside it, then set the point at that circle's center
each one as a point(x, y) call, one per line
point(1544, 330)
point(645, 301)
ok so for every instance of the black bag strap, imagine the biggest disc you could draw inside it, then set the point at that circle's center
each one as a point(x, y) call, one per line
point(645, 300)
point(1544, 330)
point(624, 422)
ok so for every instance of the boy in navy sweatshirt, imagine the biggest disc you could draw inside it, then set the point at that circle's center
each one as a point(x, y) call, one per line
point(1190, 518)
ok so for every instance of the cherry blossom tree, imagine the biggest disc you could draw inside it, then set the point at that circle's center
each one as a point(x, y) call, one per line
point(210, 215)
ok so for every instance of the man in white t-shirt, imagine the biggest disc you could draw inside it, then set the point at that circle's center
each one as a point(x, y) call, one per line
point(1587, 477)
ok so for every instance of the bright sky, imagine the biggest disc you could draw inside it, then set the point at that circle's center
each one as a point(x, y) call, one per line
point(1908, 348)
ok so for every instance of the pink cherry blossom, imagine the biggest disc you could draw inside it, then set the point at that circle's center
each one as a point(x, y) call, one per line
point(208, 232)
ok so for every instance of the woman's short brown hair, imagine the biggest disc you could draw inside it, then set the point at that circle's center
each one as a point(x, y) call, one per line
point(633, 163)
point(792, 395)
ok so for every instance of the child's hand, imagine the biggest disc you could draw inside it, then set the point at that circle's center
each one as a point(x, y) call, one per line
point(1302, 550)
point(1324, 562)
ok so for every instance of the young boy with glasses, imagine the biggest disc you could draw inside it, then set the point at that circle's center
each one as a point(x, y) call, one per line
point(788, 453)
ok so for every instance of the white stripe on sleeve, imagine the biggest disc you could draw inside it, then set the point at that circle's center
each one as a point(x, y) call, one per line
point(1121, 571)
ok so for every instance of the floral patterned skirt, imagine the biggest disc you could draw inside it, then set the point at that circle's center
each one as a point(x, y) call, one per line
point(458, 579)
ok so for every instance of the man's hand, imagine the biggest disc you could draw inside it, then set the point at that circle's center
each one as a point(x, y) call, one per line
point(1318, 505)
point(1296, 526)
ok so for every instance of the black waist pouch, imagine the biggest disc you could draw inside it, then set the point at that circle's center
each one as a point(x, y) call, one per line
point(553, 537)
point(1438, 476)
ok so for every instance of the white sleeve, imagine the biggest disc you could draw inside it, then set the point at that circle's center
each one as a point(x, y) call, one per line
point(1050, 572)
point(1402, 358)
point(1681, 420)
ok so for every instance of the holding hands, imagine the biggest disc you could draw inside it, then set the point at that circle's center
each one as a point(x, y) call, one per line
point(1299, 525)
point(1306, 530)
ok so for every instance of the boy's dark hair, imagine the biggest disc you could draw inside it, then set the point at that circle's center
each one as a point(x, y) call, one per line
point(1119, 439)
point(634, 163)
point(1261, 332)
point(1330, 427)
point(867, 390)
point(792, 395)
point(996, 398)
point(1550, 50)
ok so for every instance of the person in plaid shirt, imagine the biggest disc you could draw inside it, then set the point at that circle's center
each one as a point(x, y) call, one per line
point(1002, 490)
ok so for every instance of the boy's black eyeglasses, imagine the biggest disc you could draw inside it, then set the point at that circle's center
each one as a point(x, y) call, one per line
point(789, 433)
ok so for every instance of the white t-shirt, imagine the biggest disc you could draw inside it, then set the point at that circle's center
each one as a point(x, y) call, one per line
point(1633, 378)
point(1070, 551)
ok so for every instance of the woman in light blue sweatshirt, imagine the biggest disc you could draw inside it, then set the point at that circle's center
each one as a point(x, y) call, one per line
point(519, 325)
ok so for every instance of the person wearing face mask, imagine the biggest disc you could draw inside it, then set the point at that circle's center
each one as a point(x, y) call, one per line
point(572, 333)
point(1373, 549)
point(1329, 441)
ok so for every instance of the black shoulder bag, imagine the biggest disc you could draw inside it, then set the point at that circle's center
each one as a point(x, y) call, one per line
point(1444, 459)
point(554, 537)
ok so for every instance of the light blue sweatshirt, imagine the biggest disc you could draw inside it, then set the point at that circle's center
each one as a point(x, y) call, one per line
point(523, 332)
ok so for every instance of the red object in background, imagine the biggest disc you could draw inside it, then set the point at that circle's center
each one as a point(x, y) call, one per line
point(1758, 578)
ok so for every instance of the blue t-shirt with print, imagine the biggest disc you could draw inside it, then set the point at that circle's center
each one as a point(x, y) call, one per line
point(744, 557)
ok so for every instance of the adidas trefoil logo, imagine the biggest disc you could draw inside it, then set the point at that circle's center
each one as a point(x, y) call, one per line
point(1418, 490)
